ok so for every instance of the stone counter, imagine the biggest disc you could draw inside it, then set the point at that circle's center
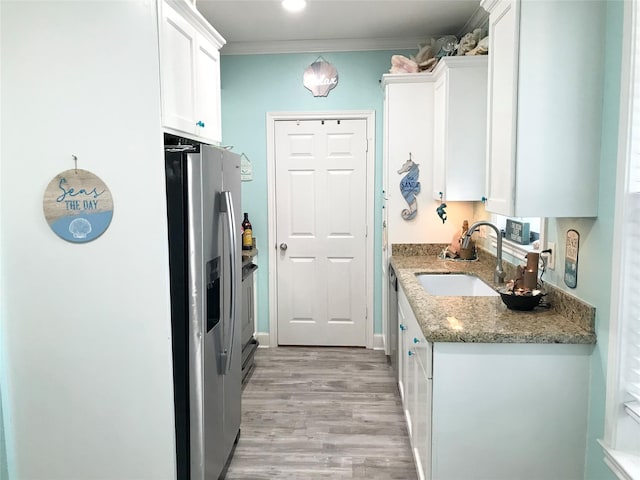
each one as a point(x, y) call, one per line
point(487, 319)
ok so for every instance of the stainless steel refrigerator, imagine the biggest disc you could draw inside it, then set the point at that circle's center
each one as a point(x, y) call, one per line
point(203, 201)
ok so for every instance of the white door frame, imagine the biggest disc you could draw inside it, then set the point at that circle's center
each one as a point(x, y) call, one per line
point(272, 117)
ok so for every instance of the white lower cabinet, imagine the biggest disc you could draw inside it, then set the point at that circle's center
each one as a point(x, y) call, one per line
point(415, 384)
point(493, 410)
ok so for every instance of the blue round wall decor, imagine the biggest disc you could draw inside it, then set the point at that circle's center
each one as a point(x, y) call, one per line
point(78, 206)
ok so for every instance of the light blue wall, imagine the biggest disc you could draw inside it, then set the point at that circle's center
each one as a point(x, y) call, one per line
point(4, 466)
point(253, 85)
point(596, 243)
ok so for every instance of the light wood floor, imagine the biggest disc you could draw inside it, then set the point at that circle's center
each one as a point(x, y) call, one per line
point(322, 413)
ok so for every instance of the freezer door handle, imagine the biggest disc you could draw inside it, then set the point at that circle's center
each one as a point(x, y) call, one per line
point(227, 207)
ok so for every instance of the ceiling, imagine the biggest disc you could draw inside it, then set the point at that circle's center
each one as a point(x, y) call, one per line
point(263, 26)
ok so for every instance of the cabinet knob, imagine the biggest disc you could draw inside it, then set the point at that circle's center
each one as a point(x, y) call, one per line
point(415, 340)
point(200, 123)
point(411, 353)
point(402, 327)
point(283, 246)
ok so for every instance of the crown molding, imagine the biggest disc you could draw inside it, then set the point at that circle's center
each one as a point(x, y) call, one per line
point(322, 46)
point(479, 19)
point(196, 19)
point(489, 5)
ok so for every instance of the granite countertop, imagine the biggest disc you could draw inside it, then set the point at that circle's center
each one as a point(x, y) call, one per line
point(487, 319)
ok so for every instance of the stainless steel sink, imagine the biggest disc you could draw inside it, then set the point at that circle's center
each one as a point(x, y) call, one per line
point(455, 285)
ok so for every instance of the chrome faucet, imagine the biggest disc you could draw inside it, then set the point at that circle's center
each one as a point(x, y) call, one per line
point(498, 275)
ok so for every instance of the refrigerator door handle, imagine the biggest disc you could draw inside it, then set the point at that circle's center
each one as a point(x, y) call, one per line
point(227, 207)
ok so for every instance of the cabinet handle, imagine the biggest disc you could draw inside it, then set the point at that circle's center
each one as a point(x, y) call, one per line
point(402, 327)
point(415, 340)
point(411, 353)
point(200, 123)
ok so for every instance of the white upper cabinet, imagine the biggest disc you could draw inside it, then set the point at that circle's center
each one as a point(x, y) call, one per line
point(190, 67)
point(208, 90)
point(544, 107)
point(460, 122)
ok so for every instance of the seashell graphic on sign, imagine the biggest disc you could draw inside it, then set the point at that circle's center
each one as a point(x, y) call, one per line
point(77, 206)
point(80, 228)
point(320, 77)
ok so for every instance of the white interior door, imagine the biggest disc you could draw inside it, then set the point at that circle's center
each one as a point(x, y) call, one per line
point(321, 175)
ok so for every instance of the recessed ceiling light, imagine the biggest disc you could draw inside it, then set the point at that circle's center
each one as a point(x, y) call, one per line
point(294, 5)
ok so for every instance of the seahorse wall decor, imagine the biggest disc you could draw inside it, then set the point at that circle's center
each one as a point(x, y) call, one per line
point(410, 187)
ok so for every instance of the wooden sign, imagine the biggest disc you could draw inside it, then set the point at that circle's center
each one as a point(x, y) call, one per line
point(571, 259)
point(410, 187)
point(78, 206)
point(517, 232)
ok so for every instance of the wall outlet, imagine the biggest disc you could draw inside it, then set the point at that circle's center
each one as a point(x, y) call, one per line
point(551, 257)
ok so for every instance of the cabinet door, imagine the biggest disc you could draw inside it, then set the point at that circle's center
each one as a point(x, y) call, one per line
point(459, 130)
point(178, 71)
point(505, 411)
point(402, 352)
point(407, 357)
point(418, 355)
point(422, 421)
point(208, 90)
point(502, 104)
point(421, 439)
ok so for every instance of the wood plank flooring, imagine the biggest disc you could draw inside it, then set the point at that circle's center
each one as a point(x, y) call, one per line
point(320, 413)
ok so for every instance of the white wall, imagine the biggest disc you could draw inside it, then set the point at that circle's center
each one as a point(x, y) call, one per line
point(85, 328)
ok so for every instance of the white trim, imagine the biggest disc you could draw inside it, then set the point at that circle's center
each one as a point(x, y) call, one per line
point(613, 360)
point(379, 342)
point(322, 46)
point(272, 117)
point(263, 339)
point(625, 466)
point(395, 78)
point(478, 19)
point(196, 19)
point(513, 249)
point(620, 442)
point(489, 5)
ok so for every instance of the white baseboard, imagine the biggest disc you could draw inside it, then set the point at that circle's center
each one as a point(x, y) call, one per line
point(263, 340)
point(378, 341)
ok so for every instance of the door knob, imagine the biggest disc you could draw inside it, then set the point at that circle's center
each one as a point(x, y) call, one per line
point(283, 246)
